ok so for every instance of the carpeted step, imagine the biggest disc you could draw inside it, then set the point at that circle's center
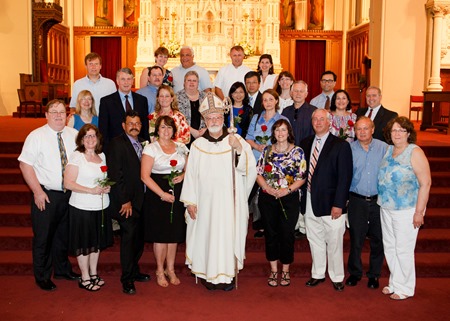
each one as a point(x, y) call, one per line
point(440, 179)
point(15, 194)
point(437, 218)
point(15, 215)
point(439, 197)
point(429, 240)
point(256, 265)
point(436, 151)
point(11, 148)
point(9, 161)
point(11, 176)
point(439, 164)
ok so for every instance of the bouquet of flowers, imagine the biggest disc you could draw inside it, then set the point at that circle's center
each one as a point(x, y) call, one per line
point(173, 47)
point(263, 139)
point(248, 48)
point(272, 180)
point(238, 118)
point(345, 133)
point(103, 182)
point(173, 173)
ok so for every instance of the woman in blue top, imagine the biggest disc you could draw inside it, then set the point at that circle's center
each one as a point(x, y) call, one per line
point(242, 111)
point(404, 182)
point(84, 111)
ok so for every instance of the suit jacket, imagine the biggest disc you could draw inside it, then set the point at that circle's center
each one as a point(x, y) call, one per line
point(381, 119)
point(332, 176)
point(124, 168)
point(112, 113)
point(257, 106)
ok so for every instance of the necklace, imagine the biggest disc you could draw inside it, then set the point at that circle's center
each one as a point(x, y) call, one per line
point(278, 150)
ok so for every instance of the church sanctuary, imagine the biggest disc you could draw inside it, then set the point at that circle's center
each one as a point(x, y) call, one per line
point(395, 50)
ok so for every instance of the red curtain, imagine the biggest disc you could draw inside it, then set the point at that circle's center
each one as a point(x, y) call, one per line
point(110, 49)
point(310, 64)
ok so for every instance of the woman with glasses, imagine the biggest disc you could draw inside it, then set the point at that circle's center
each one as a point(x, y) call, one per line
point(90, 226)
point(85, 112)
point(404, 182)
point(342, 118)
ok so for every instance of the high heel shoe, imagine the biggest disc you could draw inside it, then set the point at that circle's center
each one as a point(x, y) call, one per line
point(173, 279)
point(161, 279)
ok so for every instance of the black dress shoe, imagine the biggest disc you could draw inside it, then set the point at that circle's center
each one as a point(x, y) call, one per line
point(141, 277)
point(299, 235)
point(338, 286)
point(373, 283)
point(210, 286)
point(128, 288)
point(352, 280)
point(46, 285)
point(71, 276)
point(258, 234)
point(225, 286)
point(312, 282)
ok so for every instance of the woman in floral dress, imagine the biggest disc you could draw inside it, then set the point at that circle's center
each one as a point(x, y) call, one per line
point(342, 120)
point(281, 172)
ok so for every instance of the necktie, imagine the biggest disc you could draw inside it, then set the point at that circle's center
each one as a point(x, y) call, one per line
point(138, 149)
point(313, 163)
point(127, 104)
point(327, 103)
point(251, 100)
point(370, 113)
point(63, 156)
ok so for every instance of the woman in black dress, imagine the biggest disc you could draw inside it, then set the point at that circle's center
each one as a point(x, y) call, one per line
point(162, 171)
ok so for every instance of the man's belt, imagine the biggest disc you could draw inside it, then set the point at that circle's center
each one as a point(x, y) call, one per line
point(366, 198)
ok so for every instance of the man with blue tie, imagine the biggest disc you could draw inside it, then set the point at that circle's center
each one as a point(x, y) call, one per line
point(127, 197)
point(114, 106)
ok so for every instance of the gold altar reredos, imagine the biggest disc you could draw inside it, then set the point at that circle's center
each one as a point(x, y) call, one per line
point(211, 28)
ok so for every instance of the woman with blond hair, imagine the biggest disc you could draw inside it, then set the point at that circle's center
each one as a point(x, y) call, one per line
point(85, 112)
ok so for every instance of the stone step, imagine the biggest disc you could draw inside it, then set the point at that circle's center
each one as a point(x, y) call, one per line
point(255, 265)
point(429, 240)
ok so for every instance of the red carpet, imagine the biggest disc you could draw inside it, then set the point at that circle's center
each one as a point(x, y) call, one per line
point(20, 299)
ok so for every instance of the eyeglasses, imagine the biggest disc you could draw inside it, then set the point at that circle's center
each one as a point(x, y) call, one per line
point(400, 130)
point(90, 136)
point(133, 124)
point(328, 81)
point(57, 113)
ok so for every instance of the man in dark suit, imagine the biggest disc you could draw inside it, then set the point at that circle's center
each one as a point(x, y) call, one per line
point(127, 197)
point(114, 106)
point(376, 112)
point(252, 82)
point(324, 199)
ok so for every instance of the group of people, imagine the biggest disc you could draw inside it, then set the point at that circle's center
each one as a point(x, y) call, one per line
point(164, 165)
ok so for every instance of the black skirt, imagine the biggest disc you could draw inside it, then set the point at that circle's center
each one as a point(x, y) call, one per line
point(86, 232)
point(160, 225)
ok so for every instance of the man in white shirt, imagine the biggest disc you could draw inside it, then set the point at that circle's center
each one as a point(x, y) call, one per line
point(327, 83)
point(188, 64)
point(231, 73)
point(42, 162)
point(94, 82)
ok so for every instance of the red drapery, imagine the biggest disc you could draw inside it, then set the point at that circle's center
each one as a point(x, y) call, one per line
point(310, 64)
point(109, 48)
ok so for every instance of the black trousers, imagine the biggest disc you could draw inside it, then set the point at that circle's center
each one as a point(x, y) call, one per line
point(51, 236)
point(131, 245)
point(279, 231)
point(364, 220)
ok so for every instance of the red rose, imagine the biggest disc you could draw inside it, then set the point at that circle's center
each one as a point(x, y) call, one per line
point(104, 169)
point(173, 162)
point(150, 117)
point(350, 123)
point(170, 78)
point(263, 128)
point(240, 112)
point(268, 168)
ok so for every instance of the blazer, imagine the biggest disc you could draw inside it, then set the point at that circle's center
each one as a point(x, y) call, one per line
point(124, 168)
point(112, 113)
point(257, 106)
point(332, 177)
point(381, 119)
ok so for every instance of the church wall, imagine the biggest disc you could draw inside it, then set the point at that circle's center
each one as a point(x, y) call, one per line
point(397, 49)
point(15, 35)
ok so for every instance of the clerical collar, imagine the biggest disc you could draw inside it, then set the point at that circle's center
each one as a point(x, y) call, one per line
point(211, 139)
